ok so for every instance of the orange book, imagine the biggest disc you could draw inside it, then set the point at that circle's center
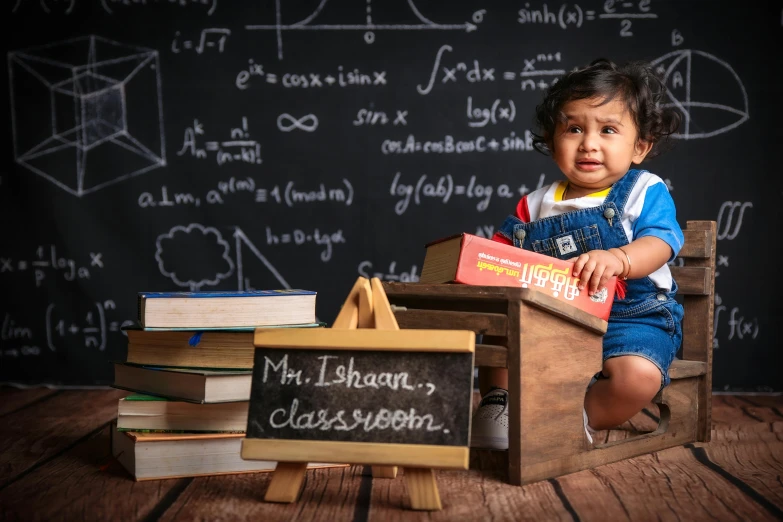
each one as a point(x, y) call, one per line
point(473, 260)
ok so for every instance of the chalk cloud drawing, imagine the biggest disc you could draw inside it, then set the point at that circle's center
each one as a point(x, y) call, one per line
point(176, 249)
point(690, 77)
point(86, 112)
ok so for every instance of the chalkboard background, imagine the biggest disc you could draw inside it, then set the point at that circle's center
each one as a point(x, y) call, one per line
point(233, 145)
point(424, 394)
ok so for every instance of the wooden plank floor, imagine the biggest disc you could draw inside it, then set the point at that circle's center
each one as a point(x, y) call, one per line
point(55, 464)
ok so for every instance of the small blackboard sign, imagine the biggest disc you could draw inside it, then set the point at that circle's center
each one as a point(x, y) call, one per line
point(354, 389)
point(360, 396)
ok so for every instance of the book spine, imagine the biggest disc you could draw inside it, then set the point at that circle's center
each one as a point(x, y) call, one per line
point(139, 309)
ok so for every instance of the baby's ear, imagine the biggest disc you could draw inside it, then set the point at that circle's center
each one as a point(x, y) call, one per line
point(641, 150)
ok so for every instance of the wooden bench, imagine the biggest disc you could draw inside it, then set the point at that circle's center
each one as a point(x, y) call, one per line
point(552, 350)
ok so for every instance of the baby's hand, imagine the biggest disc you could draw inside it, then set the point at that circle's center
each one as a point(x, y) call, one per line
point(595, 268)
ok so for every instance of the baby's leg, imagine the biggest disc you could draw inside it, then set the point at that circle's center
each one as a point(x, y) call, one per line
point(490, 378)
point(629, 385)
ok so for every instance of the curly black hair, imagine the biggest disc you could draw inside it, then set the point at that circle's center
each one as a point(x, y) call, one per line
point(635, 83)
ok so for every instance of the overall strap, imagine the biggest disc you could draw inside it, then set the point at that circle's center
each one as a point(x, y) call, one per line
point(507, 228)
point(516, 230)
point(621, 190)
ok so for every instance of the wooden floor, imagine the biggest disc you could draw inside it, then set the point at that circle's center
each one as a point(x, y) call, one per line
point(55, 464)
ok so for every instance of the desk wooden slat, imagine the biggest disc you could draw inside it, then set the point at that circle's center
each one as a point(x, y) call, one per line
point(491, 355)
point(697, 243)
point(692, 280)
point(486, 324)
point(681, 369)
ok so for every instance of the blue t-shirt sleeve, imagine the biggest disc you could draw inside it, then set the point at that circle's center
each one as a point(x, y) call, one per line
point(659, 218)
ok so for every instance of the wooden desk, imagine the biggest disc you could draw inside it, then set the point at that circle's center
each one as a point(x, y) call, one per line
point(55, 464)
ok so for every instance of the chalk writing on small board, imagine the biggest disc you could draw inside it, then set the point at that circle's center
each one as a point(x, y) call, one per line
point(361, 396)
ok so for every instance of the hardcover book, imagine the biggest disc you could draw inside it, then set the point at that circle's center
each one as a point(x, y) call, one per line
point(235, 357)
point(184, 384)
point(148, 456)
point(195, 348)
point(225, 309)
point(201, 337)
point(473, 260)
point(144, 412)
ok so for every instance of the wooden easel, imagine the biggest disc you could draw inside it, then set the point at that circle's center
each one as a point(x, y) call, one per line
point(365, 307)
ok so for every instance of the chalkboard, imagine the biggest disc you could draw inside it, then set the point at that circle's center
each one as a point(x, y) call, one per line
point(355, 396)
point(215, 145)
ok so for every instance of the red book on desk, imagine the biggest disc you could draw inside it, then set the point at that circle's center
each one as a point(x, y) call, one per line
point(472, 260)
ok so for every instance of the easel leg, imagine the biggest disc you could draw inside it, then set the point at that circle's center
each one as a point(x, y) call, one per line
point(422, 489)
point(287, 480)
point(384, 472)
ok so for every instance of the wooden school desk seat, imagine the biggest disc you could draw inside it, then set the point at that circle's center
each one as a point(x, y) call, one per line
point(553, 349)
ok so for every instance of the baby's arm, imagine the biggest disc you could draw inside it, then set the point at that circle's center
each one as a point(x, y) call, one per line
point(646, 254)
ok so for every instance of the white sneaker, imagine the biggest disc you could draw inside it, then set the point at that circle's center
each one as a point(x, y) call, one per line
point(490, 422)
point(589, 431)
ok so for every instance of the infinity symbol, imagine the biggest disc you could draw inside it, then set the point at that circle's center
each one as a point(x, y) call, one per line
point(287, 123)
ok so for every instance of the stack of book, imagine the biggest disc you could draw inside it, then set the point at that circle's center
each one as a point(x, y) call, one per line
point(189, 364)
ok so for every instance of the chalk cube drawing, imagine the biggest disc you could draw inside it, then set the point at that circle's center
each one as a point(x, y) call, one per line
point(86, 112)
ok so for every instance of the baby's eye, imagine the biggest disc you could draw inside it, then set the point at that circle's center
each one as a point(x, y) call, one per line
point(574, 129)
point(610, 130)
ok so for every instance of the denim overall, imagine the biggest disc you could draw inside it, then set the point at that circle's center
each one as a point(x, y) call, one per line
point(648, 321)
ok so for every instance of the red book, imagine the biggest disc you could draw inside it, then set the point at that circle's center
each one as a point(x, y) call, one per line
point(472, 260)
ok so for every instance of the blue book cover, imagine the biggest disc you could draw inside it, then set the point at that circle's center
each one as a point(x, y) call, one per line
point(210, 309)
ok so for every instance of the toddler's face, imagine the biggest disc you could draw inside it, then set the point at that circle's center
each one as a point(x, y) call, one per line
point(596, 145)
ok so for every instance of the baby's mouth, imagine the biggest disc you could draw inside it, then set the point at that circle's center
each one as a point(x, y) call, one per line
point(588, 165)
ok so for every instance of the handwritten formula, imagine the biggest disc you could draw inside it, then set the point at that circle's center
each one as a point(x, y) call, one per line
point(366, 269)
point(61, 326)
point(211, 38)
point(298, 237)
point(255, 74)
point(48, 261)
point(247, 189)
point(444, 188)
point(239, 147)
point(446, 71)
point(572, 15)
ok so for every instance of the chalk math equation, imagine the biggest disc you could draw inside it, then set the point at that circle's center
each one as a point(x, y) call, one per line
point(731, 323)
point(289, 194)
point(47, 261)
point(538, 72)
point(239, 146)
point(63, 326)
point(298, 237)
point(573, 15)
point(341, 77)
point(444, 189)
point(208, 39)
